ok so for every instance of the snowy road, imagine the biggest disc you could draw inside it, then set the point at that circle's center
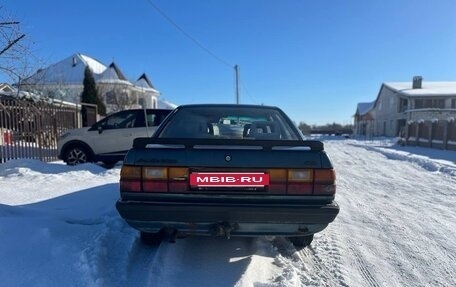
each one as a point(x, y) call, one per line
point(58, 227)
point(397, 220)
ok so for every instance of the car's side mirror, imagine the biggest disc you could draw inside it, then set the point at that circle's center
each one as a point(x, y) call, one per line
point(100, 129)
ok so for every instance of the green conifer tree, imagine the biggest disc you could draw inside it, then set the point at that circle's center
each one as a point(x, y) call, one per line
point(90, 92)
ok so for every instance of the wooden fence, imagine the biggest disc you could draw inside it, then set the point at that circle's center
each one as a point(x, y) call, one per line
point(436, 134)
point(29, 129)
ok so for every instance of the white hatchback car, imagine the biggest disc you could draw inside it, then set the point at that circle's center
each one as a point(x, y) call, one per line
point(109, 139)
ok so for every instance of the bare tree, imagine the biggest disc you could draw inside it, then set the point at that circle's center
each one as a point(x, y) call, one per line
point(16, 57)
point(118, 96)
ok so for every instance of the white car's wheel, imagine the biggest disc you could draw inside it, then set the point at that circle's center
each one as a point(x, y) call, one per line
point(76, 155)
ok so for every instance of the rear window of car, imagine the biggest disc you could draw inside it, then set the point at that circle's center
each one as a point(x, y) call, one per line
point(248, 123)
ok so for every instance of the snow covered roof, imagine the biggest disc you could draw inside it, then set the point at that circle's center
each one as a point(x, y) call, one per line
point(4, 87)
point(15, 94)
point(68, 71)
point(113, 75)
point(143, 82)
point(428, 88)
point(364, 108)
point(162, 104)
point(95, 66)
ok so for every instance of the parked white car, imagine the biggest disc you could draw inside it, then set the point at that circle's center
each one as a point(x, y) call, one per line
point(109, 139)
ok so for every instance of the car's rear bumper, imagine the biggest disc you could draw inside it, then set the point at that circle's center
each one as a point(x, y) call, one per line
point(247, 219)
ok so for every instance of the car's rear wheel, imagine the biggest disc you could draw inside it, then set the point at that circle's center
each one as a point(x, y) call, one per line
point(151, 238)
point(77, 154)
point(301, 242)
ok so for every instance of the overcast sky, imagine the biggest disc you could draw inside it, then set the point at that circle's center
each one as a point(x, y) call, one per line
point(314, 59)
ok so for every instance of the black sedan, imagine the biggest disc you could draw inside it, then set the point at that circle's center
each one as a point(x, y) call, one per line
point(227, 170)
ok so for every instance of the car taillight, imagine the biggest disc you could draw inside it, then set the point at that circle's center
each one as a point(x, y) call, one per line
point(302, 181)
point(177, 178)
point(300, 175)
point(130, 179)
point(277, 181)
point(153, 179)
point(324, 182)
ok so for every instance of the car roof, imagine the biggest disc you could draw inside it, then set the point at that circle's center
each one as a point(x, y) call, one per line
point(226, 106)
point(135, 110)
point(142, 110)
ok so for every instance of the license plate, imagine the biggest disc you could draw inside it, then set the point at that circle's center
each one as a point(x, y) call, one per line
point(229, 179)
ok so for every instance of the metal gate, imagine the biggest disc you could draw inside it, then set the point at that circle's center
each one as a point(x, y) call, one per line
point(29, 129)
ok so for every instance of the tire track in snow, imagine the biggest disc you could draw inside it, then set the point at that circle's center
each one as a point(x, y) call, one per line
point(364, 269)
point(404, 250)
point(325, 254)
point(317, 265)
point(405, 206)
point(115, 257)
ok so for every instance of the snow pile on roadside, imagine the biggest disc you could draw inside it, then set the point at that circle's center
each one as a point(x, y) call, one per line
point(50, 213)
point(434, 160)
point(28, 181)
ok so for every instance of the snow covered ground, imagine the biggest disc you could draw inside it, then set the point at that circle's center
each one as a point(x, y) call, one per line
point(396, 227)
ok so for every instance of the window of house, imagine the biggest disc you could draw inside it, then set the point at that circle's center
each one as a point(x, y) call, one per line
point(429, 104)
point(403, 105)
point(111, 98)
point(439, 104)
point(453, 103)
point(142, 102)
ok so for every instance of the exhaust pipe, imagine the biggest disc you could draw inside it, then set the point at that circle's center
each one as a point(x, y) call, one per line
point(223, 229)
point(216, 230)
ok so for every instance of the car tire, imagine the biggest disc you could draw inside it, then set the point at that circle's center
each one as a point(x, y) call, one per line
point(151, 238)
point(77, 154)
point(301, 242)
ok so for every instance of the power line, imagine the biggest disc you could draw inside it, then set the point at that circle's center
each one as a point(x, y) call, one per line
point(188, 35)
point(244, 89)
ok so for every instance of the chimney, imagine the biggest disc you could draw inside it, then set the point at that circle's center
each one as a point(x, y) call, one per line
point(417, 82)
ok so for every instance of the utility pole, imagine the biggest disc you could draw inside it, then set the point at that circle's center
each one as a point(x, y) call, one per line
point(236, 75)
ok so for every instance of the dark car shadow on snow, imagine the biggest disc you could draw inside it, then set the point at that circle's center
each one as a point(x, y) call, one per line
point(94, 202)
point(105, 248)
point(202, 261)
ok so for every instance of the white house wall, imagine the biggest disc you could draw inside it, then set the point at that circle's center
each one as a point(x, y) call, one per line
point(386, 113)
